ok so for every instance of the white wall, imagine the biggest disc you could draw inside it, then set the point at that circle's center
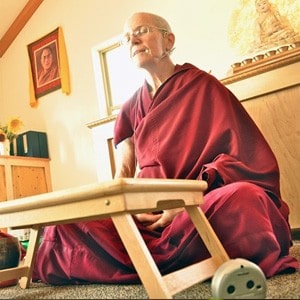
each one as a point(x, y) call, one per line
point(201, 38)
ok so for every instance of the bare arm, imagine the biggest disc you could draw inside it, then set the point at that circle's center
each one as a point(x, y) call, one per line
point(126, 162)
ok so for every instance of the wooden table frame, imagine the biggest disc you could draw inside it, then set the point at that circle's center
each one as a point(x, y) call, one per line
point(118, 199)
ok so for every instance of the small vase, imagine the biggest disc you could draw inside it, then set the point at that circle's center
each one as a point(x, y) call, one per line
point(5, 147)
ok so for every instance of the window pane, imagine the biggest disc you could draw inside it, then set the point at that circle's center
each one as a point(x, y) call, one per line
point(124, 78)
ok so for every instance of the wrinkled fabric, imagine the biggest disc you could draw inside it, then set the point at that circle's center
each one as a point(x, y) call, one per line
point(193, 128)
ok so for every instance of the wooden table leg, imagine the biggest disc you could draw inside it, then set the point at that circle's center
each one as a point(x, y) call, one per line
point(141, 257)
point(207, 233)
point(29, 259)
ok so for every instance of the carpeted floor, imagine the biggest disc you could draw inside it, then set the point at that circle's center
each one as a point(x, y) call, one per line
point(279, 287)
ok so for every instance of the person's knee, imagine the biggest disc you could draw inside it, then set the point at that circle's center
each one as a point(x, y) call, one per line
point(235, 195)
point(247, 193)
point(244, 188)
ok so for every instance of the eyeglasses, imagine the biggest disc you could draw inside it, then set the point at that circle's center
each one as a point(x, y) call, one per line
point(140, 31)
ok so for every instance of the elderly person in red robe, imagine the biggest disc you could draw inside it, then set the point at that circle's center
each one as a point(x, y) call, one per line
point(182, 123)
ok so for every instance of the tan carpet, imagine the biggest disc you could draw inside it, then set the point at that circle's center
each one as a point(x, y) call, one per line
point(279, 287)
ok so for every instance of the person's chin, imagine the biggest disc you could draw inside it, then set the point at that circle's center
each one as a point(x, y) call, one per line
point(141, 62)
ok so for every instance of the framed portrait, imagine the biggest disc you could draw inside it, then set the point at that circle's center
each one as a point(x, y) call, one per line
point(45, 64)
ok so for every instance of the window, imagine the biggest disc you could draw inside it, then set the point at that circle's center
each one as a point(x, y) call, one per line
point(116, 78)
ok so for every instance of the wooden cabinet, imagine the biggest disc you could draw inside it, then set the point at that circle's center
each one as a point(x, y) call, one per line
point(277, 115)
point(23, 176)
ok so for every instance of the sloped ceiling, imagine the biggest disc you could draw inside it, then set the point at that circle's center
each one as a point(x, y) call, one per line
point(14, 14)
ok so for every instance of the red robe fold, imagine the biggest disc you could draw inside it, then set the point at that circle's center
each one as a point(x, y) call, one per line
point(193, 128)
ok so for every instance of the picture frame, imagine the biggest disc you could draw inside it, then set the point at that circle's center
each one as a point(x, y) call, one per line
point(45, 63)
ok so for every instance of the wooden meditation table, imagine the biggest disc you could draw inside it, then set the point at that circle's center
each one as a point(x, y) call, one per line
point(118, 199)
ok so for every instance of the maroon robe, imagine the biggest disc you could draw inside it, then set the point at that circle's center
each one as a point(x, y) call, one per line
point(193, 128)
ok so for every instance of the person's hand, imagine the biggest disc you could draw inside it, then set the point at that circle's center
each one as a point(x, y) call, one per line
point(158, 220)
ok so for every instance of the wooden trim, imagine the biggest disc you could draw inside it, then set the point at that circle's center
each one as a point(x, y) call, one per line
point(18, 24)
point(267, 64)
point(112, 159)
point(101, 121)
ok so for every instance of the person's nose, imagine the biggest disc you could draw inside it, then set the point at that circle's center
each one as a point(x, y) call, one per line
point(134, 39)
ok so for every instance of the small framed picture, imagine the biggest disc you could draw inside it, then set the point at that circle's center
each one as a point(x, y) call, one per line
point(45, 64)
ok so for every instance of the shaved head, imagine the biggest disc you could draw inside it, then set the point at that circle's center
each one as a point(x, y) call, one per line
point(149, 19)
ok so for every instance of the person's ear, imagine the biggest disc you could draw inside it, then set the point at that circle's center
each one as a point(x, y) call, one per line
point(170, 40)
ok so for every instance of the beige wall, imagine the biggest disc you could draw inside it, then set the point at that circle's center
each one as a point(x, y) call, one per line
point(201, 33)
point(201, 38)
